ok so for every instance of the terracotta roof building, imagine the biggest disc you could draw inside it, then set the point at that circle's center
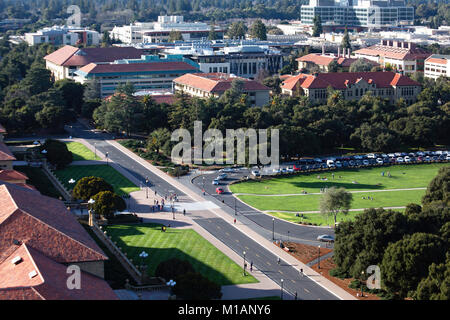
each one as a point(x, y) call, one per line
point(323, 61)
point(215, 84)
point(146, 73)
point(39, 239)
point(65, 61)
point(402, 56)
point(6, 157)
point(437, 65)
point(352, 85)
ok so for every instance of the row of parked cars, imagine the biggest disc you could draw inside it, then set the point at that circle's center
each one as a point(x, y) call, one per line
point(366, 160)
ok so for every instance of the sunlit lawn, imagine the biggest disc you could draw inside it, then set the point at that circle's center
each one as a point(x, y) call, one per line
point(81, 152)
point(121, 184)
point(185, 244)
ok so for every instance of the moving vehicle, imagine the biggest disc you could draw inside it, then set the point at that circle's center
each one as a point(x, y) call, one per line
point(222, 176)
point(219, 190)
point(215, 182)
point(325, 238)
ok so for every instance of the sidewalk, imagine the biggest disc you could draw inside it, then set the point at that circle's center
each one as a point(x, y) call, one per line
point(313, 275)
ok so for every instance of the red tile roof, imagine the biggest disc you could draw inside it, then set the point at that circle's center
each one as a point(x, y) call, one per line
point(44, 224)
point(9, 175)
point(317, 59)
point(394, 52)
point(72, 56)
point(217, 82)
point(164, 98)
point(292, 82)
point(342, 79)
point(431, 59)
point(93, 68)
point(5, 153)
point(49, 282)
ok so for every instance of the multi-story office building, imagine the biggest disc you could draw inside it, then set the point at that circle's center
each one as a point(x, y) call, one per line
point(437, 65)
point(147, 73)
point(204, 85)
point(352, 85)
point(156, 32)
point(63, 35)
point(359, 14)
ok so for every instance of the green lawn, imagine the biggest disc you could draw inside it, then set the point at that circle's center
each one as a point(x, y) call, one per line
point(402, 176)
point(311, 202)
point(81, 152)
point(317, 218)
point(39, 180)
point(185, 244)
point(121, 184)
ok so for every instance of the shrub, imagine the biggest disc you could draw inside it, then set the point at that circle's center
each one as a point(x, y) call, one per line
point(88, 187)
point(57, 153)
point(194, 286)
point(107, 203)
point(173, 268)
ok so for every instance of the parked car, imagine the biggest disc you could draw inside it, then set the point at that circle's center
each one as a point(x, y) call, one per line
point(325, 238)
point(447, 157)
point(330, 163)
point(407, 159)
point(380, 161)
point(222, 176)
point(219, 190)
point(370, 156)
point(290, 170)
point(338, 164)
point(391, 155)
point(351, 163)
point(427, 158)
point(228, 170)
point(276, 170)
point(365, 162)
point(399, 160)
point(215, 182)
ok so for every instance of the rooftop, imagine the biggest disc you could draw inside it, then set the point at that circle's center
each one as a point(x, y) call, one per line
point(94, 68)
point(395, 50)
point(217, 82)
point(5, 153)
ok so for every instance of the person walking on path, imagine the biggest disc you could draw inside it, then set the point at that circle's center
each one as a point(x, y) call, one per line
point(251, 266)
point(279, 260)
point(234, 220)
point(184, 212)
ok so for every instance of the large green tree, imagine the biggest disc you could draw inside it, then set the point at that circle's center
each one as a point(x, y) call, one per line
point(258, 30)
point(237, 30)
point(317, 28)
point(335, 201)
point(194, 286)
point(88, 187)
point(57, 153)
point(438, 190)
point(107, 203)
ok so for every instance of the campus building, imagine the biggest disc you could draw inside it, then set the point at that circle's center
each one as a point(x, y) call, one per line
point(63, 35)
point(358, 14)
point(40, 240)
point(65, 61)
point(206, 85)
point(352, 85)
point(437, 65)
point(146, 73)
point(402, 56)
point(157, 32)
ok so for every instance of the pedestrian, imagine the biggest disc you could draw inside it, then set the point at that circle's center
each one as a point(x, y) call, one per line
point(155, 193)
point(382, 173)
point(234, 220)
point(332, 175)
point(301, 272)
point(251, 266)
point(279, 260)
point(184, 212)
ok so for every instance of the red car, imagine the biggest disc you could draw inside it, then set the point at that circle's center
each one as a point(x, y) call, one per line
point(219, 190)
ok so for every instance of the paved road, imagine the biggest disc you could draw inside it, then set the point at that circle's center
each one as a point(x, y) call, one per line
point(258, 221)
point(263, 259)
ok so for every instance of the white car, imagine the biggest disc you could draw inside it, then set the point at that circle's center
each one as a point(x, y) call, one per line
point(380, 161)
point(215, 182)
point(338, 164)
point(448, 157)
point(256, 173)
point(370, 156)
point(407, 159)
point(276, 170)
point(384, 155)
point(366, 162)
point(290, 170)
point(391, 155)
point(325, 238)
point(399, 159)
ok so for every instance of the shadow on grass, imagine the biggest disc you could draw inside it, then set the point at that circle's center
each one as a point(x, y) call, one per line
point(158, 255)
point(332, 183)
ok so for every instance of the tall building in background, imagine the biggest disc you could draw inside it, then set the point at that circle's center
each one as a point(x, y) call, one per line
point(358, 14)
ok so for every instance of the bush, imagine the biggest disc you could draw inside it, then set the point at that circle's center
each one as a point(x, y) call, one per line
point(88, 187)
point(193, 286)
point(173, 268)
point(57, 153)
point(107, 203)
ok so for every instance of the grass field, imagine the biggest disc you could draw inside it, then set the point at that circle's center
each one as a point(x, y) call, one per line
point(402, 176)
point(184, 244)
point(39, 180)
point(122, 185)
point(81, 152)
point(264, 195)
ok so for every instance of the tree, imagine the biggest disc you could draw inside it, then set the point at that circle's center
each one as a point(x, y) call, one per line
point(194, 286)
point(88, 187)
point(237, 30)
point(258, 30)
point(72, 93)
point(335, 201)
point(173, 268)
point(333, 66)
point(158, 139)
point(175, 35)
point(212, 33)
point(360, 65)
point(37, 80)
point(438, 190)
point(317, 28)
point(57, 153)
point(107, 203)
point(436, 286)
point(346, 41)
point(406, 262)
point(51, 117)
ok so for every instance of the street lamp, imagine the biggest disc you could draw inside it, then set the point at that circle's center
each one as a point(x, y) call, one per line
point(273, 228)
point(44, 151)
point(95, 150)
point(106, 155)
point(288, 235)
point(71, 181)
point(146, 189)
point(362, 283)
point(319, 258)
point(235, 212)
point(282, 289)
point(171, 284)
point(244, 263)
point(143, 255)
